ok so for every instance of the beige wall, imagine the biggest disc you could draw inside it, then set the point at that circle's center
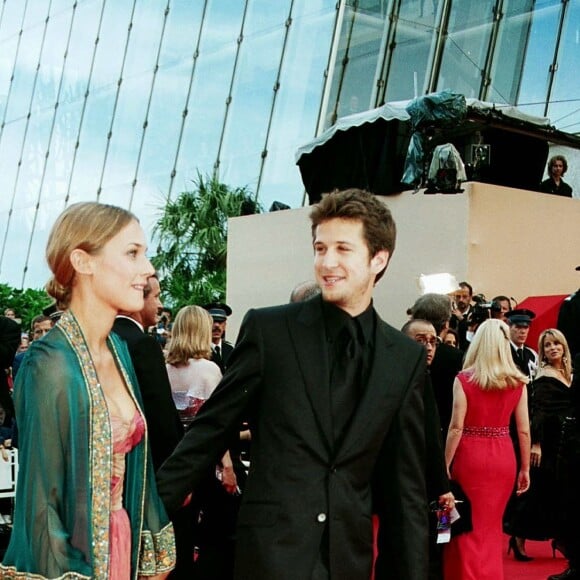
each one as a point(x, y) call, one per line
point(502, 240)
point(522, 243)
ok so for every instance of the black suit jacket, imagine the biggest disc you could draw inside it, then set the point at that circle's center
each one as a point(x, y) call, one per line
point(299, 484)
point(9, 342)
point(436, 474)
point(569, 322)
point(446, 364)
point(222, 361)
point(529, 363)
point(163, 424)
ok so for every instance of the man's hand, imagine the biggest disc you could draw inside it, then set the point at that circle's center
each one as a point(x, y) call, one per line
point(447, 501)
point(229, 480)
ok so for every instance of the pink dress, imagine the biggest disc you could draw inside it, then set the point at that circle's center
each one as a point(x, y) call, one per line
point(125, 437)
point(485, 467)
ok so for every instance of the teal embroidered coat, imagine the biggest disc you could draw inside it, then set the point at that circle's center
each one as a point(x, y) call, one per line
point(63, 494)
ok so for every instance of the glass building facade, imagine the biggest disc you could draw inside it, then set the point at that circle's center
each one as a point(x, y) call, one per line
point(125, 101)
point(517, 52)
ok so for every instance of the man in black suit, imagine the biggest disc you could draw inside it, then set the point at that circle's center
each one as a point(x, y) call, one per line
point(336, 400)
point(9, 342)
point(462, 306)
point(221, 349)
point(163, 424)
point(438, 487)
point(526, 359)
point(569, 321)
point(448, 360)
point(569, 534)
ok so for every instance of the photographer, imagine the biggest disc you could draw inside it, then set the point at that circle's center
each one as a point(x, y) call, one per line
point(478, 314)
point(461, 308)
point(162, 332)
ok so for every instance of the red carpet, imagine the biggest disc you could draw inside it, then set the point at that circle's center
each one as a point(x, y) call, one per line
point(542, 566)
point(539, 568)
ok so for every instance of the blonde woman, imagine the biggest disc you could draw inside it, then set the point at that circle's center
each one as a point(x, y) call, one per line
point(86, 501)
point(540, 515)
point(193, 377)
point(479, 452)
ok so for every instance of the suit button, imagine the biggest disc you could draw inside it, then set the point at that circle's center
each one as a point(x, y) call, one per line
point(321, 518)
point(332, 469)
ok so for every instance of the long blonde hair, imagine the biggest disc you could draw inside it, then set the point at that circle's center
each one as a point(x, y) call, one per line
point(566, 358)
point(190, 336)
point(86, 226)
point(490, 359)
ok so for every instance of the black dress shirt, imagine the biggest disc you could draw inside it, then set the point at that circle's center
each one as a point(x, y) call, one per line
point(350, 357)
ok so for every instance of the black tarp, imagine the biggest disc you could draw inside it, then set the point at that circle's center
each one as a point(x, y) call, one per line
point(373, 150)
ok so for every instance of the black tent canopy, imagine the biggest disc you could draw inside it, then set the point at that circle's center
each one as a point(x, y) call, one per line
point(387, 150)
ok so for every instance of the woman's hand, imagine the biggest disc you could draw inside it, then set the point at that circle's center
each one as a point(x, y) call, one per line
point(536, 455)
point(523, 481)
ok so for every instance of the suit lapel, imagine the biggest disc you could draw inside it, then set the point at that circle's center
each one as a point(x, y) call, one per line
point(309, 341)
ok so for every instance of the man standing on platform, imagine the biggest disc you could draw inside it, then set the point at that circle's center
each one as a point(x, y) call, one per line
point(557, 167)
point(338, 427)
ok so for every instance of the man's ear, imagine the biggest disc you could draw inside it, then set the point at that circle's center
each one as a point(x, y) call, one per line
point(379, 261)
point(81, 262)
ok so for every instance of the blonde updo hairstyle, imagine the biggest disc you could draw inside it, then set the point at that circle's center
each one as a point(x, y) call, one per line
point(190, 336)
point(85, 226)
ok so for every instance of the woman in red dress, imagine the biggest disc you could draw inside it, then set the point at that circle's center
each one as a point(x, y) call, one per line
point(479, 452)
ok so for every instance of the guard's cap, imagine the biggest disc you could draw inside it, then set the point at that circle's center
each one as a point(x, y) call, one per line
point(520, 316)
point(218, 311)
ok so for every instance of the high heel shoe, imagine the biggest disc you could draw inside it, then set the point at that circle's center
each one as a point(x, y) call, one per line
point(557, 546)
point(518, 555)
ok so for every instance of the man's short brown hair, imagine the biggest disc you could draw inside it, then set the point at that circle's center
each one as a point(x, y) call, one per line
point(379, 229)
point(148, 288)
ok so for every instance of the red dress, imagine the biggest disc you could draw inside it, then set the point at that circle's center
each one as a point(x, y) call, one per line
point(485, 467)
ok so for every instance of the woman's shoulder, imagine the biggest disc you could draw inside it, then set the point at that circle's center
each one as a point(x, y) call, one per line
point(48, 365)
point(50, 350)
point(193, 365)
point(204, 365)
point(465, 377)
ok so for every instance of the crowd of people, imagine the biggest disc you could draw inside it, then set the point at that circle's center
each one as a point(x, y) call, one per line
point(150, 446)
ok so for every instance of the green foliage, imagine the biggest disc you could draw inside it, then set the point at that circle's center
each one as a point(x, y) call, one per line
point(26, 303)
point(191, 233)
